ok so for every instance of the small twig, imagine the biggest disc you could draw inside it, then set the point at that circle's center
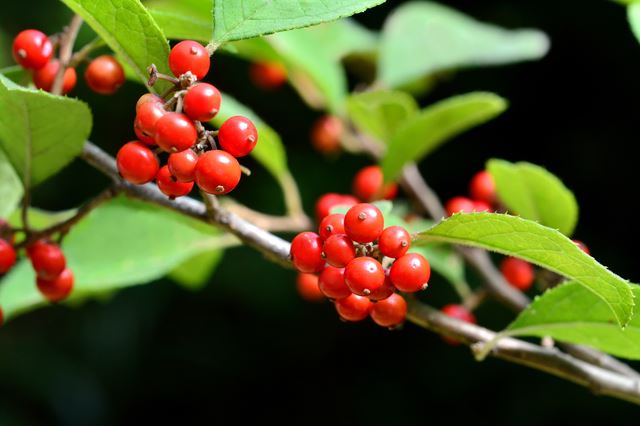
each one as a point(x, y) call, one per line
point(269, 222)
point(85, 51)
point(67, 40)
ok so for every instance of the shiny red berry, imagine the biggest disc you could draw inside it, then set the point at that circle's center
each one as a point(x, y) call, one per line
point(338, 250)
point(268, 75)
point(306, 252)
point(175, 132)
point(582, 246)
point(326, 134)
point(458, 312)
point(394, 242)
point(368, 185)
point(137, 163)
point(32, 49)
point(353, 307)
point(331, 282)
point(307, 286)
point(386, 290)
point(410, 273)
point(169, 186)
point(481, 206)
point(331, 225)
point(104, 75)
point(202, 102)
point(518, 273)
point(44, 77)
point(7, 256)
point(363, 223)
point(364, 275)
point(147, 116)
point(217, 172)
point(389, 312)
point(330, 201)
point(191, 56)
point(483, 187)
point(459, 205)
point(56, 289)
point(47, 260)
point(182, 165)
point(238, 136)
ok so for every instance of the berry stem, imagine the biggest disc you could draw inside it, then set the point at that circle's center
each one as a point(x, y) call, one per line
point(67, 40)
point(83, 54)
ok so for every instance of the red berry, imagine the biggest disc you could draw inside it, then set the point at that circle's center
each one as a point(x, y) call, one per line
point(307, 286)
point(57, 289)
point(217, 172)
point(44, 77)
point(389, 312)
point(383, 292)
point(364, 275)
point(331, 282)
point(394, 242)
point(137, 163)
point(331, 225)
point(191, 56)
point(410, 273)
point(582, 246)
point(326, 134)
point(458, 312)
point(518, 273)
point(202, 102)
point(268, 75)
point(363, 223)
point(146, 98)
point(32, 49)
point(104, 75)
point(481, 206)
point(338, 249)
point(368, 185)
point(7, 256)
point(47, 260)
point(353, 307)
point(175, 132)
point(147, 116)
point(182, 165)
point(331, 200)
point(238, 136)
point(169, 186)
point(483, 187)
point(459, 205)
point(306, 252)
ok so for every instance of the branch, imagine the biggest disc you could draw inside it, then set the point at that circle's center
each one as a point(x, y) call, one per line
point(67, 40)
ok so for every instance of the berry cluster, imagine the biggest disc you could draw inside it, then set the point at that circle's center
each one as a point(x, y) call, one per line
point(33, 50)
point(175, 127)
point(482, 189)
point(359, 262)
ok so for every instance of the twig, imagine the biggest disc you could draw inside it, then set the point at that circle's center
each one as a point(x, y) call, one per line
point(288, 223)
point(67, 41)
point(84, 52)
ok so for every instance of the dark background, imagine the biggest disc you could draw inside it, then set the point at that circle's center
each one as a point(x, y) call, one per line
point(247, 349)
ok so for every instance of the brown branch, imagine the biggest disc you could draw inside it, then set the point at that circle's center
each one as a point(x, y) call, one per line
point(67, 40)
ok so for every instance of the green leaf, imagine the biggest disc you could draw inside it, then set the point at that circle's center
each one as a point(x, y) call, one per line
point(633, 15)
point(529, 191)
point(104, 251)
point(572, 313)
point(236, 20)
point(17, 74)
point(40, 133)
point(435, 125)
point(40, 219)
point(422, 38)
point(184, 19)
point(10, 187)
point(195, 272)
point(381, 113)
point(537, 244)
point(130, 31)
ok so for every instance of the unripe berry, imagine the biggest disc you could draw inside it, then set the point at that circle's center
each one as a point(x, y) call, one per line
point(483, 187)
point(136, 163)
point(104, 75)
point(518, 273)
point(363, 223)
point(389, 312)
point(458, 312)
point(331, 282)
point(47, 260)
point(45, 76)
point(394, 242)
point(147, 116)
point(364, 275)
point(326, 134)
point(57, 289)
point(330, 201)
point(307, 286)
point(7, 256)
point(338, 250)
point(202, 102)
point(175, 132)
point(306, 252)
point(353, 308)
point(170, 186)
point(331, 225)
point(182, 165)
point(217, 172)
point(459, 205)
point(268, 75)
point(32, 49)
point(238, 136)
point(368, 185)
point(191, 56)
point(410, 273)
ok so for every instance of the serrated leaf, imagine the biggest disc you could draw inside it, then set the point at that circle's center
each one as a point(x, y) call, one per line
point(184, 19)
point(436, 124)
point(236, 20)
point(572, 313)
point(534, 193)
point(130, 31)
point(10, 187)
point(40, 133)
point(380, 113)
point(535, 243)
point(122, 243)
point(421, 38)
